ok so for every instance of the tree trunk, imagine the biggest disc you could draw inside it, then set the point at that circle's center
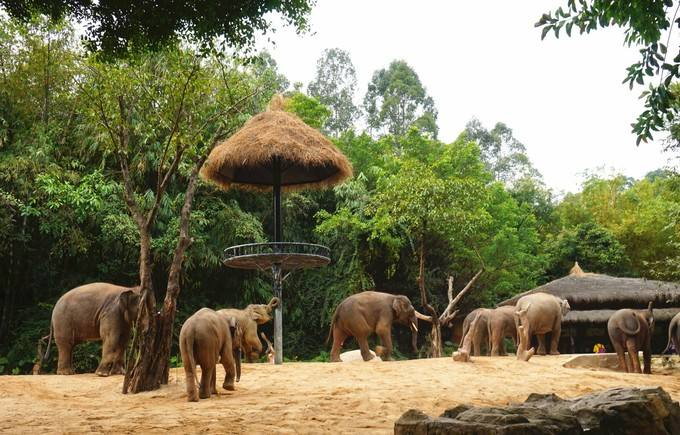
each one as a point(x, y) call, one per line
point(152, 364)
point(436, 332)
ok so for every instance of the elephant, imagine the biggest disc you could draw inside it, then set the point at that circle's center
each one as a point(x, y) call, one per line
point(93, 312)
point(673, 335)
point(544, 313)
point(501, 324)
point(492, 326)
point(631, 330)
point(248, 319)
point(368, 312)
point(206, 339)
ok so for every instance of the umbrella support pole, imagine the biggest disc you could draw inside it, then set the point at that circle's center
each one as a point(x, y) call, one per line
point(276, 267)
point(278, 314)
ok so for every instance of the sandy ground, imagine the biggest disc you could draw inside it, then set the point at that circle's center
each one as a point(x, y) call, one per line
point(354, 397)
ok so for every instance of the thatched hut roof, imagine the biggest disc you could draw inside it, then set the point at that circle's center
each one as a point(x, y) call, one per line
point(602, 316)
point(588, 291)
point(246, 159)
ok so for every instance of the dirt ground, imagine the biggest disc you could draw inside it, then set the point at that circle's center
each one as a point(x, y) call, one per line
point(354, 397)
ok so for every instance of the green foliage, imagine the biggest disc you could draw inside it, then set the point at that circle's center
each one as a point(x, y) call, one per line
point(396, 100)
point(334, 86)
point(309, 109)
point(115, 28)
point(645, 23)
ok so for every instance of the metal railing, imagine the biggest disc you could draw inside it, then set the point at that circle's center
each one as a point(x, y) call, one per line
point(277, 248)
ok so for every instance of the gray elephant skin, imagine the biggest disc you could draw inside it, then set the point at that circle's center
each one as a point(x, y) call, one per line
point(674, 335)
point(365, 313)
point(544, 315)
point(206, 339)
point(93, 312)
point(631, 331)
point(493, 325)
point(248, 319)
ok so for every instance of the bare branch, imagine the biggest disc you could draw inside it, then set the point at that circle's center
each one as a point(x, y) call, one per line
point(446, 316)
point(175, 126)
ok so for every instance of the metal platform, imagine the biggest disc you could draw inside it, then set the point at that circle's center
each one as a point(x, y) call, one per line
point(287, 255)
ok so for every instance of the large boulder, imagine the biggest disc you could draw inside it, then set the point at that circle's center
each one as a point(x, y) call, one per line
point(624, 411)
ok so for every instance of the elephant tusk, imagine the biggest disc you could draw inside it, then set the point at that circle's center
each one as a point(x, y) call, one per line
point(423, 317)
point(413, 325)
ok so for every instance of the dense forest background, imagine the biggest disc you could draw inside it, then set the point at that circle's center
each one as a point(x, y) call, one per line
point(475, 202)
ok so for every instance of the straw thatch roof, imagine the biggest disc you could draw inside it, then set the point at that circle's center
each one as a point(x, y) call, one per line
point(588, 291)
point(246, 159)
point(602, 316)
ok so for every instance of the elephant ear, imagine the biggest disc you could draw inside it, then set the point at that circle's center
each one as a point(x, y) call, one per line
point(253, 312)
point(401, 304)
point(128, 301)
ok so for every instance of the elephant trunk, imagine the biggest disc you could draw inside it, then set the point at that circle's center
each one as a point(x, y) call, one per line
point(273, 303)
point(237, 361)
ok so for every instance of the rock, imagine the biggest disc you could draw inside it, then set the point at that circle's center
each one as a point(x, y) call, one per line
point(594, 361)
point(355, 355)
point(625, 411)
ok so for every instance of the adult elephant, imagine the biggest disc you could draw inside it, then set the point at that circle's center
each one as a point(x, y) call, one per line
point(631, 330)
point(248, 319)
point(93, 312)
point(206, 339)
point(365, 313)
point(544, 313)
point(674, 335)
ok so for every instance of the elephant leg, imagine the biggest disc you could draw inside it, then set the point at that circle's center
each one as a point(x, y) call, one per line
point(213, 382)
point(109, 356)
point(363, 345)
point(227, 360)
point(494, 346)
point(476, 344)
point(207, 373)
point(65, 349)
point(647, 358)
point(555, 337)
point(631, 346)
point(541, 344)
point(621, 355)
point(385, 334)
point(339, 338)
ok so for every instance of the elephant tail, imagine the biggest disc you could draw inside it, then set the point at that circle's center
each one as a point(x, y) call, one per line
point(627, 324)
point(671, 332)
point(330, 331)
point(41, 358)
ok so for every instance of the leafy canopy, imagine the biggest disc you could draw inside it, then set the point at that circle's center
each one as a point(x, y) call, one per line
point(114, 27)
point(646, 25)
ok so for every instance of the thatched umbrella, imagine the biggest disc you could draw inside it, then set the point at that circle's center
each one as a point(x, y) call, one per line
point(276, 150)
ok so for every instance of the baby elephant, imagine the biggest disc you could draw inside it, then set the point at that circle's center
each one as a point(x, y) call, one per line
point(631, 330)
point(205, 339)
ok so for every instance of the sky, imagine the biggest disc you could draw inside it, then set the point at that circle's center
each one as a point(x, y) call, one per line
point(563, 98)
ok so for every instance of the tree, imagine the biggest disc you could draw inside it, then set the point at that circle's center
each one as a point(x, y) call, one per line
point(593, 246)
point(115, 27)
point(504, 156)
point(426, 206)
point(334, 85)
point(647, 26)
point(396, 101)
point(160, 115)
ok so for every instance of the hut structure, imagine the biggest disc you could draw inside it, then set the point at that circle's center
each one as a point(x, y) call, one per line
point(594, 298)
